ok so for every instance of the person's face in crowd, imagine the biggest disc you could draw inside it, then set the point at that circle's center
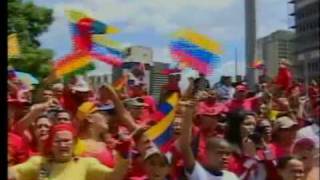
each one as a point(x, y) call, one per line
point(156, 167)
point(63, 117)
point(177, 125)
point(208, 122)
point(288, 135)
point(136, 111)
point(263, 108)
point(294, 170)
point(227, 81)
point(247, 126)
point(241, 95)
point(99, 122)
point(62, 146)
point(109, 140)
point(306, 155)
point(266, 127)
point(218, 157)
point(58, 93)
point(42, 128)
point(47, 94)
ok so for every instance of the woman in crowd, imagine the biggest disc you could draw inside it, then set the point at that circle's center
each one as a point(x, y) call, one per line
point(59, 163)
point(246, 145)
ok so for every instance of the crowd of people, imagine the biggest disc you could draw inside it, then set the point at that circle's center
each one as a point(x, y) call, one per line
point(222, 131)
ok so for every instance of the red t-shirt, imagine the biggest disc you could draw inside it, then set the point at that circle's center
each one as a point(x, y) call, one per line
point(279, 151)
point(17, 148)
point(249, 104)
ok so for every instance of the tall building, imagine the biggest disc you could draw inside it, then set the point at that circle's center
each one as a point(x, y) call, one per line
point(278, 45)
point(306, 25)
point(157, 80)
point(250, 42)
point(96, 80)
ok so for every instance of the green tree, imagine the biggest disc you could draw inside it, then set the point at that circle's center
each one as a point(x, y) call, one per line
point(29, 21)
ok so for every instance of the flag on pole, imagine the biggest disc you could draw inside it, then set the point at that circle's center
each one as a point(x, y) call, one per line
point(162, 132)
point(195, 50)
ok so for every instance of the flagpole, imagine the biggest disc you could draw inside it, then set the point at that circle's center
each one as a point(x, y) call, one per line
point(236, 62)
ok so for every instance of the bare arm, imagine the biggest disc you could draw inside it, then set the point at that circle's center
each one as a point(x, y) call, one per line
point(26, 121)
point(186, 134)
point(107, 92)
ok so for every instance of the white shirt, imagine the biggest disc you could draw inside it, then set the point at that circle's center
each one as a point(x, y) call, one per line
point(199, 173)
point(312, 132)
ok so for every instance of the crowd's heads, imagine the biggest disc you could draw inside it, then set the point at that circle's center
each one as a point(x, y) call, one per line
point(157, 165)
point(285, 129)
point(58, 89)
point(61, 142)
point(305, 150)
point(135, 106)
point(290, 168)
point(241, 91)
point(219, 151)
point(92, 117)
point(63, 117)
point(241, 124)
point(42, 126)
point(284, 63)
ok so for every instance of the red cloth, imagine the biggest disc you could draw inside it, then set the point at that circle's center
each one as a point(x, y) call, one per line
point(284, 78)
point(249, 104)
point(279, 151)
point(17, 148)
point(106, 157)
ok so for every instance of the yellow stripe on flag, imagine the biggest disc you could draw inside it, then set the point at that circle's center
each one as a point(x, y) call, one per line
point(156, 130)
point(75, 15)
point(200, 40)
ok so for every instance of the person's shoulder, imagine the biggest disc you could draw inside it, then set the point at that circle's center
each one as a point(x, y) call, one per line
point(228, 175)
point(305, 130)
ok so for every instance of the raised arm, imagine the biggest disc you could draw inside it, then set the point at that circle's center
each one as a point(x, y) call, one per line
point(107, 92)
point(26, 121)
point(186, 134)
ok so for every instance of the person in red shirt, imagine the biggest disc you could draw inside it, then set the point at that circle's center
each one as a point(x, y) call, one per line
point(76, 94)
point(208, 114)
point(171, 87)
point(245, 161)
point(284, 134)
point(242, 102)
point(284, 78)
point(136, 106)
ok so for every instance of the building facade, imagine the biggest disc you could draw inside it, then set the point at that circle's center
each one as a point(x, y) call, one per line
point(157, 80)
point(306, 24)
point(97, 80)
point(278, 45)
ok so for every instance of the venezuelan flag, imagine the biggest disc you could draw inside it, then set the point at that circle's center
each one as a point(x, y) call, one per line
point(72, 63)
point(195, 50)
point(161, 133)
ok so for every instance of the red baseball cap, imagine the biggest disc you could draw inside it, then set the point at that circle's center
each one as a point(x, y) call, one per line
point(210, 110)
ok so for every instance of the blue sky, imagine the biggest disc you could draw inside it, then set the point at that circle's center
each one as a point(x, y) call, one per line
point(149, 23)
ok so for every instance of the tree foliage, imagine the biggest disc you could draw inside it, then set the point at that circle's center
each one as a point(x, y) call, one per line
point(29, 21)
